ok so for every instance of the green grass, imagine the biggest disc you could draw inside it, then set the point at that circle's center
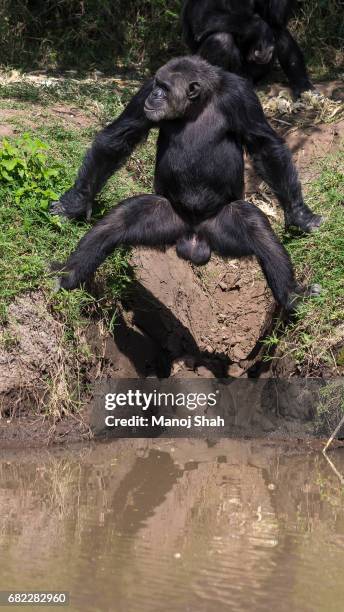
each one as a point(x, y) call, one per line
point(330, 409)
point(315, 337)
point(102, 99)
point(319, 30)
point(31, 238)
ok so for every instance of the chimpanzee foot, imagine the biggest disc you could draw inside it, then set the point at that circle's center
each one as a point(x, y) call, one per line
point(57, 208)
point(69, 280)
point(65, 279)
point(301, 293)
point(298, 92)
point(306, 221)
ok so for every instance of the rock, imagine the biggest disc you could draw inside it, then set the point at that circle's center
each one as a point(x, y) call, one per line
point(203, 372)
point(235, 370)
point(187, 362)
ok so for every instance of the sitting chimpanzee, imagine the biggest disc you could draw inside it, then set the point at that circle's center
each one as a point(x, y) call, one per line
point(205, 116)
point(245, 36)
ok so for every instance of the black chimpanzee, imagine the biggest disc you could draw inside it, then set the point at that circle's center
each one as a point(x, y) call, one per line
point(205, 116)
point(245, 36)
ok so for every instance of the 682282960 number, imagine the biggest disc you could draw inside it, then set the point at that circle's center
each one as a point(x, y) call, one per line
point(22, 598)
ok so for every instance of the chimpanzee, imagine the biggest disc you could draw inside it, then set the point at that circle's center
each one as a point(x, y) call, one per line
point(245, 37)
point(206, 116)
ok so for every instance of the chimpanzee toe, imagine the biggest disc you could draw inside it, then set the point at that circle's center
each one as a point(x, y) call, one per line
point(315, 223)
point(293, 303)
point(301, 293)
point(313, 290)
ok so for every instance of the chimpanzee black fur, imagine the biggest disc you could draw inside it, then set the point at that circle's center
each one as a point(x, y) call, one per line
point(206, 116)
point(245, 37)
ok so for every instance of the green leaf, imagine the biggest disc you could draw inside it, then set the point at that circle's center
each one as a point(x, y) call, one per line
point(9, 164)
point(49, 172)
point(6, 176)
point(56, 221)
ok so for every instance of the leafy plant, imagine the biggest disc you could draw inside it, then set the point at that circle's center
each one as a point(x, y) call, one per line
point(25, 170)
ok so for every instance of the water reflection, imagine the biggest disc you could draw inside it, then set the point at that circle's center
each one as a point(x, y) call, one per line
point(176, 526)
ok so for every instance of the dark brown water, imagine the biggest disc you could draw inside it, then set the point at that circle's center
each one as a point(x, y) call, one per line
point(175, 526)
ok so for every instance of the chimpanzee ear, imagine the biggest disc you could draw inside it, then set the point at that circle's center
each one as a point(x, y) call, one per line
point(194, 90)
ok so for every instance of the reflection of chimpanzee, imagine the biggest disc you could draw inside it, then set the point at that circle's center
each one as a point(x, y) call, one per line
point(245, 36)
point(205, 116)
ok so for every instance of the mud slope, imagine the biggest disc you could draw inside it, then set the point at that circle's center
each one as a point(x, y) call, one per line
point(29, 352)
point(216, 314)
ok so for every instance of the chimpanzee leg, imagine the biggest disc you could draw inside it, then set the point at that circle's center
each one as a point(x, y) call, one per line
point(241, 229)
point(220, 49)
point(292, 62)
point(147, 220)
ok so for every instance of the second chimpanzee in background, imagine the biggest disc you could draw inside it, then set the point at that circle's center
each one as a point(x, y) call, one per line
point(245, 37)
point(206, 117)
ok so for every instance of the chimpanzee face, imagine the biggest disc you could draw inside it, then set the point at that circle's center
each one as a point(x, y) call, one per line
point(172, 95)
point(262, 47)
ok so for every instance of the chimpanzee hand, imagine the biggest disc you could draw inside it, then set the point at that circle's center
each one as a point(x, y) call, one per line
point(72, 205)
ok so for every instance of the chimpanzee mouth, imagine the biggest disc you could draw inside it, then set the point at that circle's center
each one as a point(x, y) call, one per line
point(152, 113)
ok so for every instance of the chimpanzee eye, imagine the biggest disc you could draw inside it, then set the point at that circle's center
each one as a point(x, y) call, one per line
point(159, 93)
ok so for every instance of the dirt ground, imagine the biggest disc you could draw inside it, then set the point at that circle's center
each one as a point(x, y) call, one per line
point(67, 116)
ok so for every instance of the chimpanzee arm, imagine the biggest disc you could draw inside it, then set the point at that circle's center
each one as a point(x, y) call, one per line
point(204, 18)
point(288, 51)
point(278, 13)
point(271, 157)
point(109, 151)
point(292, 62)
